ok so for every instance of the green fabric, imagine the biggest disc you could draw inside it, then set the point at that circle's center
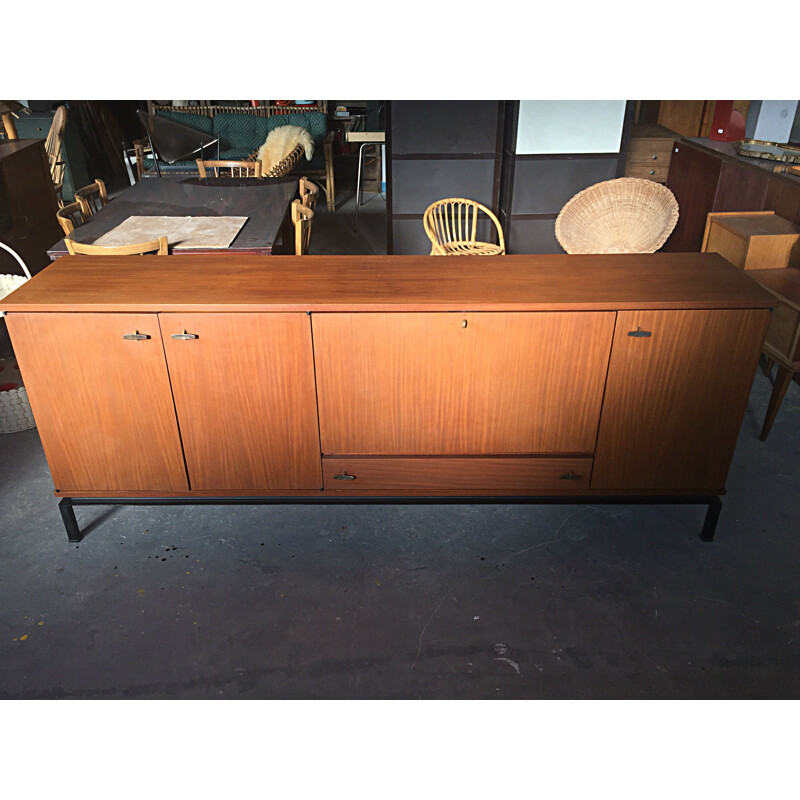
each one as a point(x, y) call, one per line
point(240, 131)
point(197, 121)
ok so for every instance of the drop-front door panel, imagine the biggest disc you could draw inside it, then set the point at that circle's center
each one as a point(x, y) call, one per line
point(461, 383)
point(102, 402)
point(244, 394)
point(675, 398)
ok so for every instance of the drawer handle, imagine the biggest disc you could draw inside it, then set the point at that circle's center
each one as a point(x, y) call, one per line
point(570, 476)
point(184, 335)
point(639, 332)
point(655, 158)
point(344, 477)
point(652, 172)
point(135, 337)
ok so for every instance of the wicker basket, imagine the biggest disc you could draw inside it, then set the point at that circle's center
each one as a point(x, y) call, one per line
point(15, 410)
point(624, 215)
point(10, 282)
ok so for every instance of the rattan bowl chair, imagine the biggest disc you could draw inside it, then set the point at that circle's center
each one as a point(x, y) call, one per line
point(452, 226)
point(52, 146)
point(284, 166)
point(158, 246)
point(229, 169)
point(623, 215)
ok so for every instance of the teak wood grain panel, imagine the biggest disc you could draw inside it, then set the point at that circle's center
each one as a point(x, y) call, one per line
point(102, 403)
point(421, 383)
point(244, 394)
point(674, 401)
point(456, 476)
point(389, 283)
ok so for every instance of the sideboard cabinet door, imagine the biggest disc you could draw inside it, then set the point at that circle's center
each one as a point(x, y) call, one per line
point(245, 397)
point(102, 402)
point(678, 383)
point(461, 383)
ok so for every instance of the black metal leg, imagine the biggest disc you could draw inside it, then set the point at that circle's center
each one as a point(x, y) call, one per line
point(68, 517)
point(710, 523)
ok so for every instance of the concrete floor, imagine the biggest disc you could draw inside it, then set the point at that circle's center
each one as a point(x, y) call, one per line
point(471, 601)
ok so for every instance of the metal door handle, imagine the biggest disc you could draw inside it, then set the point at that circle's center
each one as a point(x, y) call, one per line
point(344, 477)
point(570, 476)
point(639, 332)
point(184, 335)
point(135, 337)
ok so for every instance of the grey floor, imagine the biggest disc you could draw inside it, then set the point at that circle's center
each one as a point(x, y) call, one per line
point(469, 601)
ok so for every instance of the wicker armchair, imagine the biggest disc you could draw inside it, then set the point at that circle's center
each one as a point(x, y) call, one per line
point(283, 167)
point(452, 227)
point(624, 215)
point(52, 146)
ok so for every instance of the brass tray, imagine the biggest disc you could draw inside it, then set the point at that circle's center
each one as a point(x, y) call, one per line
point(756, 148)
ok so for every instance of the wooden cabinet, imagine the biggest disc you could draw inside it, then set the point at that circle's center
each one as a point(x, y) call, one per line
point(753, 239)
point(675, 398)
point(649, 153)
point(470, 383)
point(242, 387)
point(102, 402)
point(244, 396)
point(356, 376)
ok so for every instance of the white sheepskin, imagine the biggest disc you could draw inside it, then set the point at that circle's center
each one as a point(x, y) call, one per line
point(280, 142)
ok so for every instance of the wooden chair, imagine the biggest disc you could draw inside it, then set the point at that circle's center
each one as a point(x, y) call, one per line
point(92, 198)
point(309, 192)
point(52, 146)
point(452, 226)
point(236, 169)
point(70, 217)
point(622, 215)
point(158, 246)
point(302, 217)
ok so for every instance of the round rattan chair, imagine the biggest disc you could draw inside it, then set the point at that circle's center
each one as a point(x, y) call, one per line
point(624, 215)
point(452, 225)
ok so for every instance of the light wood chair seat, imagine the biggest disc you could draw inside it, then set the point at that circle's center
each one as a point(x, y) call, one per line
point(234, 169)
point(158, 246)
point(70, 217)
point(92, 198)
point(452, 226)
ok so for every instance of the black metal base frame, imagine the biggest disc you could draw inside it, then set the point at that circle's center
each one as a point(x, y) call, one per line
point(74, 533)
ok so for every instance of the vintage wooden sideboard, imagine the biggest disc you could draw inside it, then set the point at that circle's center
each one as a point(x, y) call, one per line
point(557, 378)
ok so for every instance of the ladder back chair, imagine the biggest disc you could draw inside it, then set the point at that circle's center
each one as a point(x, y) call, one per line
point(232, 169)
point(302, 217)
point(70, 217)
point(309, 192)
point(158, 246)
point(52, 146)
point(92, 198)
point(452, 226)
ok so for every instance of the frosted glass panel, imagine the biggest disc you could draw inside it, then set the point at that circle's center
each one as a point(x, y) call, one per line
point(570, 126)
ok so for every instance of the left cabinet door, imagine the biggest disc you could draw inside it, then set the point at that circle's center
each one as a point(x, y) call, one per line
point(246, 401)
point(102, 402)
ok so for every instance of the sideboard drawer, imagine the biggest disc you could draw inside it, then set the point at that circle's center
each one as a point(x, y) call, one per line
point(648, 158)
point(455, 475)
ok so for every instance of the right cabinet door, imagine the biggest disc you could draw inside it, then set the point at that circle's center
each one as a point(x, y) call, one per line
point(472, 383)
point(675, 398)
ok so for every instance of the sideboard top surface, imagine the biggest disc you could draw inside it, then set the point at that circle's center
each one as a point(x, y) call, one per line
point(388, 283)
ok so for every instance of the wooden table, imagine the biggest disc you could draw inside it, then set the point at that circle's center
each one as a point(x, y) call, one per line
point(265, 202)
